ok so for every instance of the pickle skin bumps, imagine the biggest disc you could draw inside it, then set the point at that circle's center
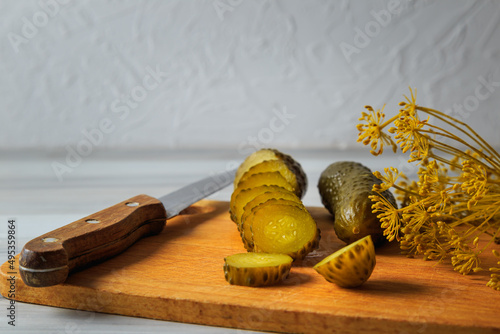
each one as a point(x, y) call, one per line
point(344, 188)
point(351, 266)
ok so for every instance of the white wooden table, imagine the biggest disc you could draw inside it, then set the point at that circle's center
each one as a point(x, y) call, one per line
point(31, 194)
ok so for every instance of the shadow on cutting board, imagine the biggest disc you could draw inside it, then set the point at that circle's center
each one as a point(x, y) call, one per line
point(147, 248)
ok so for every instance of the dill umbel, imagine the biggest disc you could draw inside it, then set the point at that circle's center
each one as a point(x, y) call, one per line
point(456, 199)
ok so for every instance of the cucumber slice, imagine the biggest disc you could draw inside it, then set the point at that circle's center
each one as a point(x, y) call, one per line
point(268, 195)
point(244, 196)
point(252, 160)
point(273, 154)
point(283, 228)
point(256, 269)
point(248, 215)
point(351, 266)
point(256, 180)
point(274, 166)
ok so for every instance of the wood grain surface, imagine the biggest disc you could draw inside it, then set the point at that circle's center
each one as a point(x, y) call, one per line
point(178, 276)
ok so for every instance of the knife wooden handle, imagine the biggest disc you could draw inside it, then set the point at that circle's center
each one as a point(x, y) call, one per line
point(48, 259)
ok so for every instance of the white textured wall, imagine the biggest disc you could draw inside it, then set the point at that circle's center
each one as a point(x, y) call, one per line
point(227, 68)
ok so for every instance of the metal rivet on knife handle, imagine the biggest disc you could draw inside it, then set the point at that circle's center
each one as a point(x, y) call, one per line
point(50, 239)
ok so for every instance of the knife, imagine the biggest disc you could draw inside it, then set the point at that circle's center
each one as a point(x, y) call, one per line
point(49, 259)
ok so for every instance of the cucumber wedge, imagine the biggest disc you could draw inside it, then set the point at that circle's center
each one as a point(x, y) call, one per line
point(351, 266)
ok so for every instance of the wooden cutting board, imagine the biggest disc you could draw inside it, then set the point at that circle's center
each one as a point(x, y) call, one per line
point(178, 276)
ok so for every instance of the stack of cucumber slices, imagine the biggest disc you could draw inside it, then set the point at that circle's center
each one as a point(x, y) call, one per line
point(276, 228)
point(271, 218)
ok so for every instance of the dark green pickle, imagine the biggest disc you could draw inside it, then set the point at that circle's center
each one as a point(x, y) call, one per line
point(344, 188)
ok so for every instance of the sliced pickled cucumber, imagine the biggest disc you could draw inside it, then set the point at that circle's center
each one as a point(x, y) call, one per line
point(272, 154)
point(252, 160)
point(344, 188)
point(256, 269)
point(256, 180)
point(285, 229)
point(350, 266)
point(274, 166)
point(247, 218)
point(282, 194)
point(240, 199)
point(296, 168)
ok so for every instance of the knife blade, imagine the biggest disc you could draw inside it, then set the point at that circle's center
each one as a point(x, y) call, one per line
point(49, 259)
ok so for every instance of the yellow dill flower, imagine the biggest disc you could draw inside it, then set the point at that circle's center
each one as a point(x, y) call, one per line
point(407, 129)
point(413, 243)
point(388, 215)
point(428, 178)
point(388, 180)
point(465, 262)
point(444, 199)
point(410, 106)
point(416, 215)
point(475, 181)
point(494, 281)
point(409, 137)
point(404, 190)
point(457, 197)
point(372, 131)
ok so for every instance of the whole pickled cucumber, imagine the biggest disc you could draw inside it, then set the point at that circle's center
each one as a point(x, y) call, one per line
point(344, 188)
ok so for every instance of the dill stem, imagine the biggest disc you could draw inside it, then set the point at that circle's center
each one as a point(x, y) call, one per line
point(476, 216)
point(389, 121)
point(445, 148)
point(443, 160)
point(491, 240)
point(409, 192)
point(456, 151)
point(475, 137)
